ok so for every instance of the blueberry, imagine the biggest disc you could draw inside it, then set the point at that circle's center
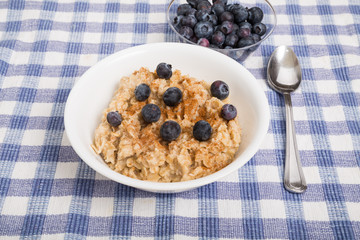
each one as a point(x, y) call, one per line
point(142, 92)
point(255, 15)
point(192, 3)
point(213, 19)
point(245, 25)
point(114, 118)
point(189, 21)
point(226, 27)
point(204, 30)
point(243, 32)
point(224, 2)
point(214, 2)
point(186, 32)
point(176, 22)
point(202, 130)
point(235, 28)
point(231, 40)
point(203, 42)
point(202, 16)
point(194, 39)
point(191, 12)
point(236, 9)
point(259, 28)
point(228, 112)
point(256, 37)
point(219, 89)
point(243, 42)
point(163, 70)
point(150, 113)
point(205, 6)
point(170, 130)
point(172, 96)
point(230, 7)
point(218, 38)
point(177, 19)
point(226, 16)
point(182, 9)
point(214, 46)
point(240, 14)
point(218, 8)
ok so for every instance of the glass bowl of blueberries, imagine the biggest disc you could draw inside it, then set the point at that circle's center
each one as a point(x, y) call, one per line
point(234, 28)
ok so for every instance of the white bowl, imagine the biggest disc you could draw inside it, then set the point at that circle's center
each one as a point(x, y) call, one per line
point(94, 90)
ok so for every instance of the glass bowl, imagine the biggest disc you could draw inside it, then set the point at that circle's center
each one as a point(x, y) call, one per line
point(239, 54)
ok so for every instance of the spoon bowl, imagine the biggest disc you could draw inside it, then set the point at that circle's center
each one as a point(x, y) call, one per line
point(284, 71)
point(284, 76)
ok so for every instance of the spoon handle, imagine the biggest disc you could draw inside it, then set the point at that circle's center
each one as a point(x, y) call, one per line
point(294, 179)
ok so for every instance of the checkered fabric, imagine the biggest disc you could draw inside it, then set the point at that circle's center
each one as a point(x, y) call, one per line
point(48, 192)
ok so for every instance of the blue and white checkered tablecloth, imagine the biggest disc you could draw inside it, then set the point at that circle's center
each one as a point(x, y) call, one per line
point(48, 192)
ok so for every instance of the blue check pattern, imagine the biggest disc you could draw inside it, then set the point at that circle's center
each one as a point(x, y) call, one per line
point(47, 192)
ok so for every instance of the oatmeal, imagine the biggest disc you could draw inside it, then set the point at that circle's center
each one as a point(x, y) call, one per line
point(135, 148)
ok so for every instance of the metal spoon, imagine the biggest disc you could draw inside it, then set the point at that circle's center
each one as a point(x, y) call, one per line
point(284, 76)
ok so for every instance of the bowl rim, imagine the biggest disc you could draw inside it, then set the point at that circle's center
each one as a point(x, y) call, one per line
point(173, 186)
point(227, 50)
